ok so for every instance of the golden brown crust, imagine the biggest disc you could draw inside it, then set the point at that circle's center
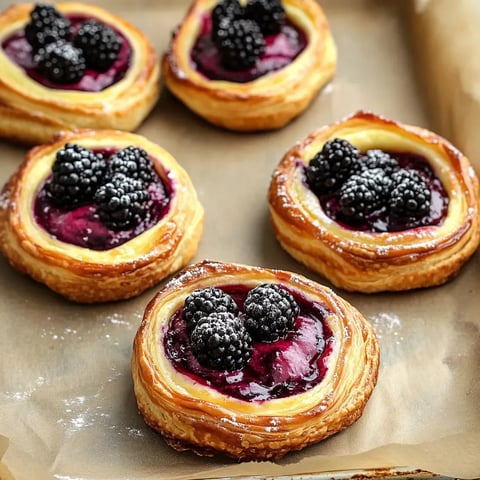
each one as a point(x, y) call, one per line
point(192, 416)
point(268, 102)
point(32, 113)
point(85, 275)
point(373, 262)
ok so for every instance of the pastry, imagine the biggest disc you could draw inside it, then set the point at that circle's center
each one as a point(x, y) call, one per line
point(211, 375)
point(253, 66)
point(99, 215)
point(375, 205)
point(70, 66)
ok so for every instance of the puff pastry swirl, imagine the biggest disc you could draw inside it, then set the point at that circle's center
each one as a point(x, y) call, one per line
point(385, 261)
point(268, 102)
point(83, 274)
point(194, 416)
point(32, 113)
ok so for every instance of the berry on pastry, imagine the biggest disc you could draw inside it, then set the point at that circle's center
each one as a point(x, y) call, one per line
point(69, 66)
point(275, 363)
point(250, 66)
point(376, 205)
point(99, 215)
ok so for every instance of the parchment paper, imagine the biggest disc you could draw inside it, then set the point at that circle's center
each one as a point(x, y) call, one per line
point(66, 400)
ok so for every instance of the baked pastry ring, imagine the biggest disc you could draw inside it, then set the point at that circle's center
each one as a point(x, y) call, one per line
point(268, 102)
point(32, 113)
point(87, 275)
point(377, 261)
point(193, 415)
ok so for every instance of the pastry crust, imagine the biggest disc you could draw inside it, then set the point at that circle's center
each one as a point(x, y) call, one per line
point(268, 102)
point(193, 416)
point(32, 113)
point(374, 262)
point(86, 275)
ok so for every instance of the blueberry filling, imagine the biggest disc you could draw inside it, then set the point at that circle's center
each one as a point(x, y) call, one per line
point(93, 200)
point(72, 52)
point(376, 191)
point(226, 353)
point(240, 44)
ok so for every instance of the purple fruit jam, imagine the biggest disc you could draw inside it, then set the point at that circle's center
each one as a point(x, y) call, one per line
point(280, 369)
point(19, 51)
point(280, 50)
point(81, 226)
point(383, 221)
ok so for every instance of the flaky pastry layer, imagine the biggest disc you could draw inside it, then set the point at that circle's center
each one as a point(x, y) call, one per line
point(193, 416)
point(33, 113)
point(373, 262)
point(86, 275)
point(268, 102)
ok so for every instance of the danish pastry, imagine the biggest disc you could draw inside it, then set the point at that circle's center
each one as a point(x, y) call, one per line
point(213, 375)
point(71, 66)
point(99, 215)
point(250, 67)
point(375, 205)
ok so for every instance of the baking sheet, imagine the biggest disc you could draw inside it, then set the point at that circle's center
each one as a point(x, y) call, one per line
point(66, 400)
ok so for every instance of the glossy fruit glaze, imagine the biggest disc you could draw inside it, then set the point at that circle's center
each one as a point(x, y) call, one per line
point(19, 51)
point(280, 50)
point(276, 370)
point(381, 220)
point(81, 226)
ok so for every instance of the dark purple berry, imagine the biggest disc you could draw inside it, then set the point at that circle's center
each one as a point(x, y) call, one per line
point(220, 341)
point(410, 194)
point(269, 15)
point(270, 312)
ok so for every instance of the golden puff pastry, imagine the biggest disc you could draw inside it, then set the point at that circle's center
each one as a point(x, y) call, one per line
point(32, 112)
point(375, 261)
point(267, 102)
point(192, 414)
point(85, 274)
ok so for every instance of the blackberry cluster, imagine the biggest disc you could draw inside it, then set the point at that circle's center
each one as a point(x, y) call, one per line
point(205, 301)
point(46, 26)
point(99, 43)
point(410, 195)
point(121, 202)
point(220, 341)
point(364, 193)
point(269, 14)
point(330, 167)
point(76, 174)
point(238, 32)
point(133, 162)
point(60, 62)
point(239, 42)
point(59, 57)
point(119, 187)
point(270, 312)
point(367, 183)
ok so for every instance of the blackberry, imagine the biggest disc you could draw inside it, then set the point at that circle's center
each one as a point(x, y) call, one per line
point(379, 159)
point(230, 9)
point(240, 43)
point(202, 302)
point(330, 167)
point(60, 62)
point(270, 312)
point(220, 341)
point(121, 202)
point(410, 195)
point(99, 43)
point(133, 162)
point(76, 174)
point(364, 193)
point(46, 25)
point(269, 14)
